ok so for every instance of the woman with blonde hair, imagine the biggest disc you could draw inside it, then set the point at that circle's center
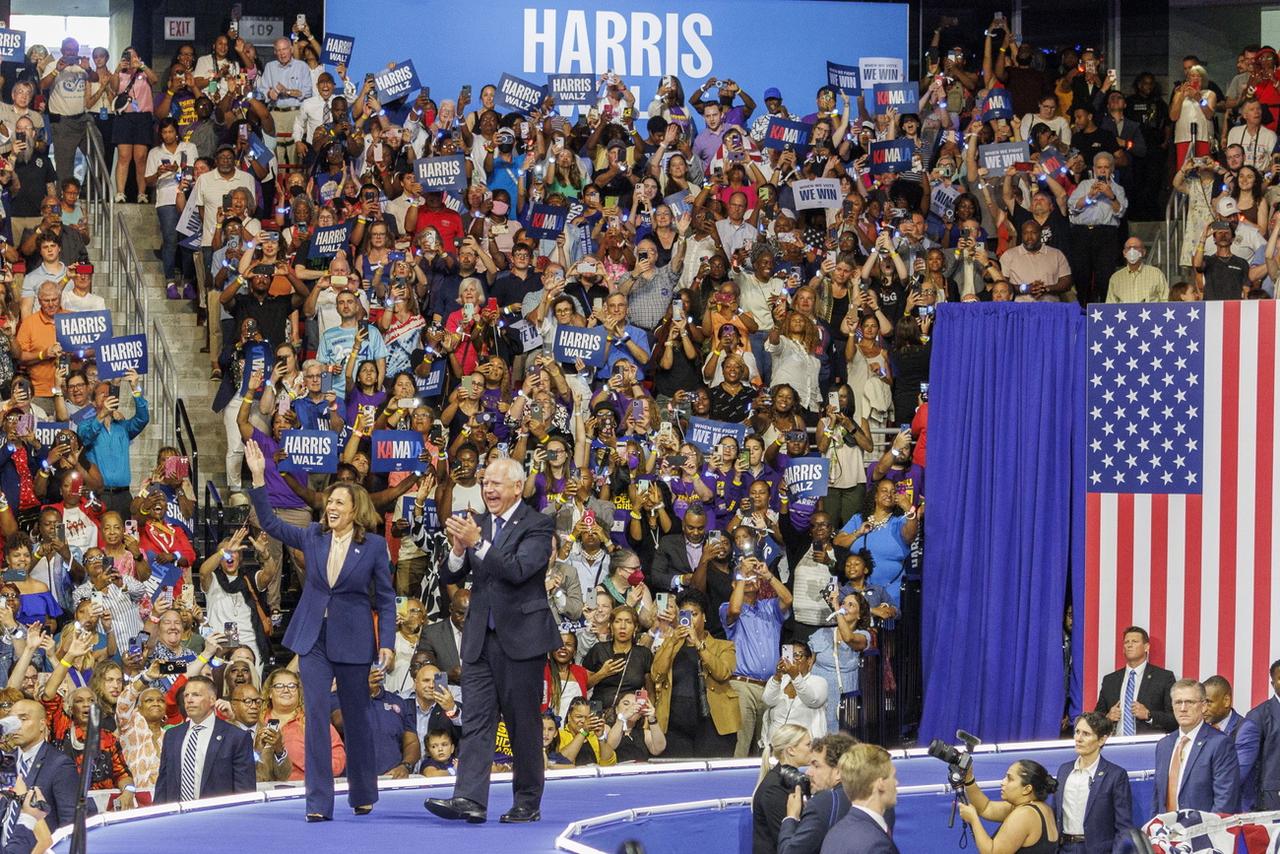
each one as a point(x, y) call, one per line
point(788, 750)
point(283, 703)
point(792, 344)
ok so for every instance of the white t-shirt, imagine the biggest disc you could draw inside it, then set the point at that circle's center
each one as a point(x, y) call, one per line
point(66, 95)
point(206, 67)
point(71, 301)
point(327, 309)
point(167, 183)
point(1057, 124)
point(208, 192)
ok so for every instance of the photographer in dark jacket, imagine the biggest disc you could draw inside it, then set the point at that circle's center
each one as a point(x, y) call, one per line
point(807, 821)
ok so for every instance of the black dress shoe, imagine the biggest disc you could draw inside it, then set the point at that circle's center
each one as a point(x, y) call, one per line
point(364, 810)
point(456, 808)
point(521, 815)
point(315, 816)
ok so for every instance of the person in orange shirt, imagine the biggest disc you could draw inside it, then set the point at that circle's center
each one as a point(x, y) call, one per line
point(38, 344)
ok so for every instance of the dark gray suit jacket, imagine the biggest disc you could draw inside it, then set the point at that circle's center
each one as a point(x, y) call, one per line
point(437, 639)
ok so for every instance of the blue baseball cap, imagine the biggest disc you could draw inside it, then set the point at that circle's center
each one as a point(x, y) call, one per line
point(772, 92)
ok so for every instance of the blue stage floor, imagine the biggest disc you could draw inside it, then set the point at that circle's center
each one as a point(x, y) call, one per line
point(400, 823)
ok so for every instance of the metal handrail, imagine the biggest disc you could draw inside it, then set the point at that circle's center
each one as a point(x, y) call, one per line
point(99, 202)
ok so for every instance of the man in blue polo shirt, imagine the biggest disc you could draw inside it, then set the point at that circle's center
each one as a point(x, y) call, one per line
point(755, 627)
point(396, 749)
point(106, 439)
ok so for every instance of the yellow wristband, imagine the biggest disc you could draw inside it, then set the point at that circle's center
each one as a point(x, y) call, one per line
point(65, 663)
point(200, 658)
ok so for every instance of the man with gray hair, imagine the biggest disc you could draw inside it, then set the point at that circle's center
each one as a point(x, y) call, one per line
point(1137, 281)
point(508, 632)
point(65, 84)
point(1096, 208)
point(284, 84)
point(1196, 766)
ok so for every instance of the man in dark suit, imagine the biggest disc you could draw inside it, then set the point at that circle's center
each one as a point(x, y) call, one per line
point(45, 766)
point(1196, 767)
point(1219, 707)
point(505, 641)
point(1258, 751)
point(440, 638)
point(871, 784)
point(688, 557)
point(1094, 804)
point(29, 826)
point(804, 827)
point(1136, 697)
point(204, 756)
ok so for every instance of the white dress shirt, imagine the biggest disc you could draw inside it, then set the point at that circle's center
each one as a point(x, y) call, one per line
point(203, 737)
point(1075, 797)
point(878, 817)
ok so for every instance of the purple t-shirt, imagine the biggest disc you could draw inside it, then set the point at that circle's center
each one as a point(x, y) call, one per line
point(544, 488)
point(358, 401)
point(800, 510)
point(277, 490)
point(912, 477)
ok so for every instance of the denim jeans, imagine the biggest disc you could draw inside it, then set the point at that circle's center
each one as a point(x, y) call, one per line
point(168, 216)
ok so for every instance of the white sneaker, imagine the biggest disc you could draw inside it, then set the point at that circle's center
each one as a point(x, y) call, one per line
point(120, 199)
point(142, 198)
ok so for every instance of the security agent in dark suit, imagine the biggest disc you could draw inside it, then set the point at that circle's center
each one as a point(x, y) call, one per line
point(437, 639)
point(30, 824)
point(1258, 751)
point(1219, 711)
point(1196, 766)
point(505, 641)
point(1093, 804)
point(1148, 686)
point(47, 767)
point(805, 826)
point(227, 766)
point(871, 784)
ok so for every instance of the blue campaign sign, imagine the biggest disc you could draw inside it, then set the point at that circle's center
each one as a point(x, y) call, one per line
point(903, 97)
point(845, 78)
point(13, 45)
point(704, 434)
point(1000, 157)
point(397, 450)
point(118, 356)
point(258, 150)
point(639, 40)
point(327, 241)
point(432, 385)
point(258, 357)
point(519, 96)
point(680, 203)
point(80, 330)
point(998, 105)
point(891, 155)
point(162, 574)
point(396, 81)
point(572, 88)
point(309, 451)
point(47, 431)
point(578, 342)
point(806, 478)
point(447, 174)
point(336, 49)
point(430, 516)
point(545, 222)
point(783, 134)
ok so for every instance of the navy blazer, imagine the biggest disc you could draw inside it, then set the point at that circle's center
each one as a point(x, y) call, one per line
point(228, 763)
point(858, 833)
point(1258, 750)
point(1210, 776)
point(511, 584)
point(1108, 813)
point(56, 775)
point(345, 609)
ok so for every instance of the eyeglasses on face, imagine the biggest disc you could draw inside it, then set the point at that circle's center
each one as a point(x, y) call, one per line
point(285, 686)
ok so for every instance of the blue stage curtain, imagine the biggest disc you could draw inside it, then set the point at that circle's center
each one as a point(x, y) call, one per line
point(1005, 408)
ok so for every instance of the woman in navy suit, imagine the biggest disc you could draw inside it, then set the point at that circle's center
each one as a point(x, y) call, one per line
point(1093, 803)
point(348, 577)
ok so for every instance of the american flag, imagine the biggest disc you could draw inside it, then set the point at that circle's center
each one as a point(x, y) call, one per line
point(1180, 465)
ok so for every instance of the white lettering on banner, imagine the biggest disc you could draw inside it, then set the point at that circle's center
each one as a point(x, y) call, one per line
point(803, 474)
point(573, 86)
point(327, 241)
point(518, 91)
point(85, 328)
point(435, 170)
point(333, 44)
point(313, 445)
point(118, 351)
point(391, 450)
point(396, 76)
point(11, 39)
point(579, 340)
point(641, 44)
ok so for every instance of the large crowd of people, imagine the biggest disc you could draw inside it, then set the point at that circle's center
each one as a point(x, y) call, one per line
point(665, 369)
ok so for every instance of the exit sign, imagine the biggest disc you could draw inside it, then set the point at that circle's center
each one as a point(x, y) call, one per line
point(179, 29)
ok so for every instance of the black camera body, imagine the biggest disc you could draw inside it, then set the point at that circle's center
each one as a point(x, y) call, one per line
point(959, 760)
point(792, 777)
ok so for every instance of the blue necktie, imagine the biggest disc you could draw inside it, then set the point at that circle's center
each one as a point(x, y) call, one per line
point(1127, 725)
point(15, 807)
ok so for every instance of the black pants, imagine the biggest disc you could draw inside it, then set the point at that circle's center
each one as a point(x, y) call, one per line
point(495, 683)
point(1095, 255)
point(690, 736)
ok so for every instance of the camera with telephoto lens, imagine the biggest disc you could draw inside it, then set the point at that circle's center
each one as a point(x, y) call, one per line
point(959, 759)
point(792, 777)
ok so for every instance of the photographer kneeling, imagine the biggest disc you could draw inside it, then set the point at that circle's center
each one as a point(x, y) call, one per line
point(1025, 784)
point(808, 819)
